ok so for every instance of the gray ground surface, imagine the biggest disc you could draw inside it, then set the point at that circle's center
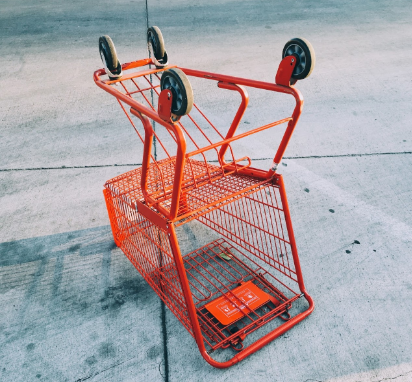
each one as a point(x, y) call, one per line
point(72, 306)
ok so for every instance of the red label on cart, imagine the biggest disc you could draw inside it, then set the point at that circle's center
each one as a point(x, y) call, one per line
point(239, 302)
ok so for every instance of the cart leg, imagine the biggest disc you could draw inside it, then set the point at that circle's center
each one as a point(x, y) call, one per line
point(291, 234)
point(181, 271)
point(190, 306)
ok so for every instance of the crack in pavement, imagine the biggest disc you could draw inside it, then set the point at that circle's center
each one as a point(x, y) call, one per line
point(371, 380)
point(69, 167)
point(102, 371)
point(253, 159)
point(392, 378)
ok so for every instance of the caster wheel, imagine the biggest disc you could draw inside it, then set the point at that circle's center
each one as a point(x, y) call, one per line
point(175, 80)
point(109, 57)
point(305, 54)
point(157, 44)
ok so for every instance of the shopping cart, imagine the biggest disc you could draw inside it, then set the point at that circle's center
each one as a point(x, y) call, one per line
point(243, 289)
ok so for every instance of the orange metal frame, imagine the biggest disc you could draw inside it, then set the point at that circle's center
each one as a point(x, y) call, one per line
point(146, 206)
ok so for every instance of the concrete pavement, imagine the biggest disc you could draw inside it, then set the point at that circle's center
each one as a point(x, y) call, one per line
point(72, 306)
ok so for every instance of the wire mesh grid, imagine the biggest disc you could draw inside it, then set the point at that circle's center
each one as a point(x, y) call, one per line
point(214, 278)
point(256, 223)
point(196, 199)
point(199, 130)
point(148, 248)
point(256, 250)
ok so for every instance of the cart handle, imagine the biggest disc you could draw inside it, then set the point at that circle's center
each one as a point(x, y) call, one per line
point(265, 86)
point(239, 114)
point(229, 82)
point(236, 81)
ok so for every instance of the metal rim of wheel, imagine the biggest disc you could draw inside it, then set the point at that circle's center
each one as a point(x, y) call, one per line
point(155, 38)
point(177, 82)
point(305, 56)
point(109, 58)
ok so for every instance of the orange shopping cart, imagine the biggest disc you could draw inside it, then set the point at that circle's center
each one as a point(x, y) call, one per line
point(244, 288)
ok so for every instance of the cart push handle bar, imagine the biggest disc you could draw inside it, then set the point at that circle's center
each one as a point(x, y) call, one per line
point(239, 114)
point(285, 86)
point(283, 77)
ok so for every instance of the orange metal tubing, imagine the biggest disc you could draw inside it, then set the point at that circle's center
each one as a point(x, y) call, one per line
point(266, 86)
point(288, 133)
point(211, 76)
point(291, 234)
point(180, 139)
point(147, 148)
point(247, 133)
point(240, 81)
point(239, 114)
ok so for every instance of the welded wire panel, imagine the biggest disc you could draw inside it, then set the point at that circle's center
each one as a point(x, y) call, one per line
point(258, 252)
point(202, 190)
point(197, 127)
point(256, 222)
point(149, 250)
point(161, 179)
point(224, 283)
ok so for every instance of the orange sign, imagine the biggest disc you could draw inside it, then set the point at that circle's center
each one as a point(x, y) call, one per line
point(228, 308)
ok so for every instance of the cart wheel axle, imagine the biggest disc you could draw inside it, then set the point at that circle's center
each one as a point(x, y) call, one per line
point(182, 94)
point(304, 53)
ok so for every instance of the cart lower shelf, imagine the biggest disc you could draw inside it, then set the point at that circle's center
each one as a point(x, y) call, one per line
point(233, 297)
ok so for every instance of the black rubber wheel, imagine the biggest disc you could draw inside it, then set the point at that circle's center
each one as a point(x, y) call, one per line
point(305, 54)
point(109, 57)
point(155, 37)
point(175, 80)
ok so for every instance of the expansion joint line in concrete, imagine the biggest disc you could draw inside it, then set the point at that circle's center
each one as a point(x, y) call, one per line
point(162, 304)
point(253, 159)
point(345, 155)
point(393, 378)
point(69, 167)
point(151, 82)
point(104, 370)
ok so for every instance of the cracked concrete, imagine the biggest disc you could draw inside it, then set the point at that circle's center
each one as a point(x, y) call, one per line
point(400, 373)
point(73, 308)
